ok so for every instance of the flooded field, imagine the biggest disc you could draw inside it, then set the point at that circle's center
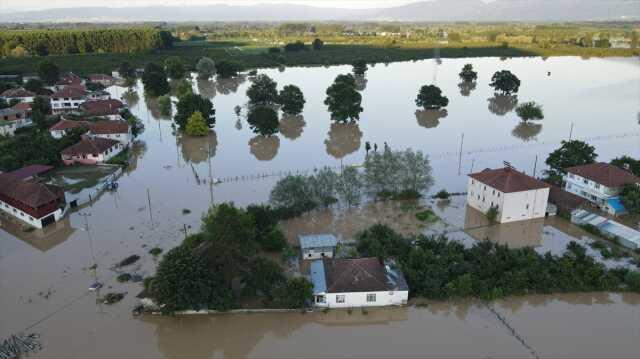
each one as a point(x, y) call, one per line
point(44, 276)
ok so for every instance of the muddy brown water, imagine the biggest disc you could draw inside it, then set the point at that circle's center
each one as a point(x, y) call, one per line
point(44, 276)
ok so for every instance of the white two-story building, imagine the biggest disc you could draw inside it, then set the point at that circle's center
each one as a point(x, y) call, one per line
point(67, 99)
point(361, 282)
point(600, 184)
point(515, 195)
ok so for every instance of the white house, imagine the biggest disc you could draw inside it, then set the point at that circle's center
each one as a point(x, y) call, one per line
point(18, 117)
point(63, 127)
point(67, 99)
point(515, 195)
point(98, 95)
point(35, 203)
point(317, 246)
point(69, 80)
point(91, 151)
point(102, 79)
point(600, 184)
point(113, 130)
point(7, 128)
point(362, 282)
point(18, 94)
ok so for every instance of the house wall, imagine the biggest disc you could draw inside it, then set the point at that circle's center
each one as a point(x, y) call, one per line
point(317, 253)
point(124, 138)
point(64, 104)
point(58, 134)
point(516, 206)
point(90, 159)
point(593, 192)
point(359, 299)
point(7, 129)
point(19, 214)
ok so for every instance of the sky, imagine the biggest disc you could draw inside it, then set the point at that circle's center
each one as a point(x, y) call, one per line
point(24, 5)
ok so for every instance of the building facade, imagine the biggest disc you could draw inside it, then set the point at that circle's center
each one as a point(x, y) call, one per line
point(317, 246)
point(600, 184)
point(514, 195)
point(19, 94)
point(361, 282)
point(91, 151)
point(16, 116)
point(33, 203)
point(112, 130)
point(67, 99)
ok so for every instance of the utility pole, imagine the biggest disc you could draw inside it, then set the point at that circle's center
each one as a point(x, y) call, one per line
point(150, 211)
point(460, 157)
point(535, 167)
point(571, 132)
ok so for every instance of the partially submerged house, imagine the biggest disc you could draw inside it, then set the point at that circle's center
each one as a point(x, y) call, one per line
point(515, 195)
point(362, 282)
point(91, 151)
point(600, 184)
point(317, 246)
point(34, 203)
point(31, 172)
point(627, 236)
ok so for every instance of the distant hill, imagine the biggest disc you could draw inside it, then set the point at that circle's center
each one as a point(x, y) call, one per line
point(436, 10)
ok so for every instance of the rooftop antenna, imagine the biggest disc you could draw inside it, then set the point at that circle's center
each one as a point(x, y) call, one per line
point(508, 165)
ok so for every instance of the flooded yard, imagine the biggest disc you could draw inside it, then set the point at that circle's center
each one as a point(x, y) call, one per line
point(45, 275)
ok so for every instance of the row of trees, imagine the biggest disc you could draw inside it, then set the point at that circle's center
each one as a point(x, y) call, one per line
point(200, 272)
point(438, 268)
point(70, 41)
point(386, 174)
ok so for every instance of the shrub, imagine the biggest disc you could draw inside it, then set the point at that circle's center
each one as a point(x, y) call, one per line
point(443, 194)
point(492, 214)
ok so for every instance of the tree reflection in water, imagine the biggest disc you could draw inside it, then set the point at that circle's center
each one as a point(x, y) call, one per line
point(264, 148)
point(154, 108)
point(361, 82)
point(466, 87)
point(292, 126)
point(344, 139)
point(430, 118)
point(230, 85)
point(130, 97)
point(198, 149)
point(527, 131)
point(206, 88)
point(501, 104)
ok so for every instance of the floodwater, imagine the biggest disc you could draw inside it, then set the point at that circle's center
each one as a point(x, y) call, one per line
point(44, 276)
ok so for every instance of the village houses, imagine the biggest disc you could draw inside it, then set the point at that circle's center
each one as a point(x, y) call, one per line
point(515, 195)
point(91, 151)
point(19, 94)
point(108, 109)
point(600, 184)
point(67, 99)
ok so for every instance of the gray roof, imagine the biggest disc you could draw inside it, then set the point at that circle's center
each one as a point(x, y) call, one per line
point(317, 240)
point(318, 277)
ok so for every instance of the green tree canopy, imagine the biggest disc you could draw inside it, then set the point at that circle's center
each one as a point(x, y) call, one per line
point(630, 197)
point(293, 195)
point(294, 293)
point(155, 80)
point(263, 91)
point(174, 68)
point(571, 153)
point(34, 85)
point(263, 277)
point(48, 72)
point(226, 69)
point(127, 71)
point(189, 104)
point(628, 163)
point(40, 109)
point(506, 82)
point(292, 100)
point(196, 125)
point(263, 120)
point(467, 74)
point(343, 100)
point(317, 44)
point(206, 68)
point(529, 111)
point(430, 97)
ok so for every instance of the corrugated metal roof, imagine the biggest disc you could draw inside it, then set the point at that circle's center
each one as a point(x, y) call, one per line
point(317, 240)
point(318, 277)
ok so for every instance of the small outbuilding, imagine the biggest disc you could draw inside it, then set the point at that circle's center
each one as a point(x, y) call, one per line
point(317, 246)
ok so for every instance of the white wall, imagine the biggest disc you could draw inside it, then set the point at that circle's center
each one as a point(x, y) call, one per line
point(587, 189)
point(516, 206)
point(359, 299)
point(17, 213)
point(124, 138)
point(65, 104)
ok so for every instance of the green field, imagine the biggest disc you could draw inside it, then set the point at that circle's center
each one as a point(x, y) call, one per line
point(256, 56)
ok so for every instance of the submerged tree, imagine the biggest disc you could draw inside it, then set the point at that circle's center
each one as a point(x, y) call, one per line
point(263, 91)
point(397, 174)
point(343, 100)
point(505, 82)
point(126, 71)
point(174, 67)
point(196, 125)
point(226, 69)
point(155, 80)
point(189, 104)
point(349, 186)
point(430, 97)
point(291, 99)
point(206, 68)
point(529, 111)
point(467, 74)
point(263, 120)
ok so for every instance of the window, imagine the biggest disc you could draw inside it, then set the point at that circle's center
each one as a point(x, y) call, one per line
point(494, 192)
point(527, 206)
point(340, 298)
point(597, 185)
point(585, 181)
point(498, 194)
point(320, 299)
point(371, 298)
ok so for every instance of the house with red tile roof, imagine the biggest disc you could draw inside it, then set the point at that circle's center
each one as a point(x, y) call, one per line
point(17, 117)
point(515, 195)
point(600, 184)
point(109, 109)
point(64, 126)
point(69, 80)
point(35, 203)
point(359, 282)
point(67, 99)
point(113, 130)
point(102, 79)
point(91, 151)
point(18, 94)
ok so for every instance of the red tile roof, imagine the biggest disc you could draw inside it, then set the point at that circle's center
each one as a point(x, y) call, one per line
point(109, 127)
point(22, 106)
point(508, 180)
point(565, 201)
point(17, 92)
point(99, 77)
point(32, 194)
point(102, 107)
point(69, 91)
point(89, 145)
point(68, 124)
point(70, 79)
point(29, 171)
point(605, 174)
point(355, 275)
